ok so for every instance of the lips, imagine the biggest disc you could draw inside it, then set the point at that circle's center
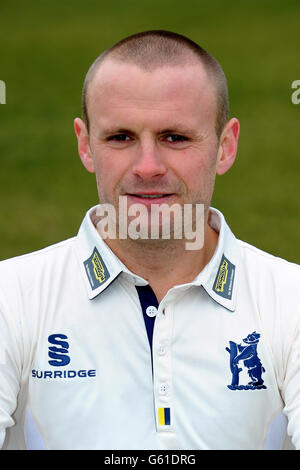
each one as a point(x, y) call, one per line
point(150, 198)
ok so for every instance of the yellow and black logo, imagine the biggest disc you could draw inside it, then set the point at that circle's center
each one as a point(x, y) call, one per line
point(224, 280)
point(222, 276)
point(96, 269)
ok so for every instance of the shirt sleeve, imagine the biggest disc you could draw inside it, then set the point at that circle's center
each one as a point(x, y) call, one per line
point(291, 387)
point(10, 366)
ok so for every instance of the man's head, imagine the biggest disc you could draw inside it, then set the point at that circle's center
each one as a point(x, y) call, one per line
point(155, 128)
point(153, 49)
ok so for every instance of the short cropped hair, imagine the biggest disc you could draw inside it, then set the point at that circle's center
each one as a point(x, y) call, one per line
point(156, 48)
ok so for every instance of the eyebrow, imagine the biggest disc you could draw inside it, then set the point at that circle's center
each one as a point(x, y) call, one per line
point(176, 129)
point(180, 130)
point(113, 130)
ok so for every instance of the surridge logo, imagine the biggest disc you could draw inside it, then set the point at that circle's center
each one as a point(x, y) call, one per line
point(59, 352)
point(98, 268)
point(59, 356)
point(222, 276)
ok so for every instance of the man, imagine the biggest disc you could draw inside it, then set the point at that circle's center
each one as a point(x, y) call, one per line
point(111, 341)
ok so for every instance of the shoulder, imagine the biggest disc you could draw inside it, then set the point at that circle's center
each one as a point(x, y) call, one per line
point(29, 266)
point(51, 251)
point(272, 280)
point(261, 261)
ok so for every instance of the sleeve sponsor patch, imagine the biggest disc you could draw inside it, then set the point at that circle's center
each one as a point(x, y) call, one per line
point(223, 284)
point(96, 269)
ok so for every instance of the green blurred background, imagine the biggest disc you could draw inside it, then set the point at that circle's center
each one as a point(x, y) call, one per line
point(46, 49)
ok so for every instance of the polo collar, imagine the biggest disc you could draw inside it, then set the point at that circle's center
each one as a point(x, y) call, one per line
point(220, 276)
point(100, 266)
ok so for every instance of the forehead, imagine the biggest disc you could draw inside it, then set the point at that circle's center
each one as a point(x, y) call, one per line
point(185, 90)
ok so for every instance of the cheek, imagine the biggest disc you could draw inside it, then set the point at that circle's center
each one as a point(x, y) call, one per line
point(109, 172)
point(198, 174)
point(192, 168)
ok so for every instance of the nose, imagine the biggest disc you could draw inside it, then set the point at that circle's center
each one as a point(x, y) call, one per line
point(149, 163)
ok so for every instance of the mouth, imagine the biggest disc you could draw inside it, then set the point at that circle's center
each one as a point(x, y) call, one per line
point(150, 198)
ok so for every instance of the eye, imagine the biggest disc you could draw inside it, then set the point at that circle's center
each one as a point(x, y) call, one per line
point(119, 138)
point(173, 138)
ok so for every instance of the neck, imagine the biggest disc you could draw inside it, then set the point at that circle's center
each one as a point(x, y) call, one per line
point(163, 263)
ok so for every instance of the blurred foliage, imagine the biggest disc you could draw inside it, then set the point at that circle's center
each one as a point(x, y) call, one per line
point(46, 49)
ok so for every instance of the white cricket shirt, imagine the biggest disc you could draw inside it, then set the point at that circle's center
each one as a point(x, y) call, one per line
point(77, 370)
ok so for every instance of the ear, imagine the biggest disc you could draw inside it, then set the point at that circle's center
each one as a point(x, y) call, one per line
point(83, 144)
point(228, 146)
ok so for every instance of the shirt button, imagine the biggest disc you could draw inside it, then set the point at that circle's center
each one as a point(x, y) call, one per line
point(151, 311)
point(162, 350)
point(163, 389)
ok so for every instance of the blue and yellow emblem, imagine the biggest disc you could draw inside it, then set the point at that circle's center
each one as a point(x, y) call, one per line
point(223, 284)
point(96, 269)
point(164, 416)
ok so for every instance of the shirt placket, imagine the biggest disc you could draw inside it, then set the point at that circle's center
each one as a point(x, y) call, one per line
point(162, 370)
point(159, 326)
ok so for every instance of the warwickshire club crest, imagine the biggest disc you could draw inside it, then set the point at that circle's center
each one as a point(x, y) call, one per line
point(248, 355)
